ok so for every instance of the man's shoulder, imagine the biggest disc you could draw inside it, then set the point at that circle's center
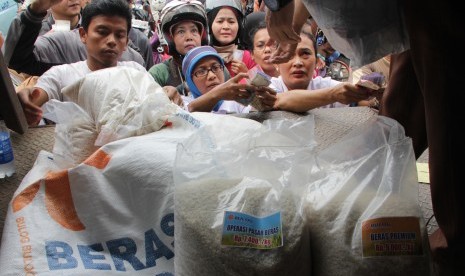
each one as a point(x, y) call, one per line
point(67, 68)
point(132, 64)
point(82, 65)
point(59, 39)
point(46, 25)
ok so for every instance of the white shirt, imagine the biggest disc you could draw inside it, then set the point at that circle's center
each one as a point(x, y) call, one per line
point(317, 83)
point(60, 76)
point(225, 108)
point(233, 107)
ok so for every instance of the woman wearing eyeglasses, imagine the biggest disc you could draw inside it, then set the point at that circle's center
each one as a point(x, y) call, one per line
point(261, 52)
point(203, 68)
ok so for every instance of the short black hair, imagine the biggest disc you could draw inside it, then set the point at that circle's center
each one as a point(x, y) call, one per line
point(95, 8)
point(250, 27)
point(261, 25)
point(306, 32)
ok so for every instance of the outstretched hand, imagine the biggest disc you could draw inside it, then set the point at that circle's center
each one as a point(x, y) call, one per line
point(284, 26)
point(238, 66)
point(280, 25)
point(234, 89)
point(347, 93)
point(173, 95)
point(266, 97)
point(32, 111)
point(283, 53)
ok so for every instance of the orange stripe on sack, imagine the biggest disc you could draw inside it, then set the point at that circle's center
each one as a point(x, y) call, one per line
point(59, 201)
point(25, 197)
point(98, 159)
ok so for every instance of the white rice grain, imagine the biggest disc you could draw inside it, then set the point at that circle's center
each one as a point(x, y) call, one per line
point(199, 209)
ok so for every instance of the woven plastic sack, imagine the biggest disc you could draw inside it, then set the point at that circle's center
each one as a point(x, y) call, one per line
point(105, 106)
point(111, 214)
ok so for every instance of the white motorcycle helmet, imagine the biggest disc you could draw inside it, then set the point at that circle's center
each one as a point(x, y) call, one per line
point(176, 11)
point(213, 6)
point(236, 4)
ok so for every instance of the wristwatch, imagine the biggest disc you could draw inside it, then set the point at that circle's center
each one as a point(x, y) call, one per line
point(276, 5)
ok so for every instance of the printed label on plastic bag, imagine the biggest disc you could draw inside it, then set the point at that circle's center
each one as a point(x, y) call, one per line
point(391, 236)
point(243, 230)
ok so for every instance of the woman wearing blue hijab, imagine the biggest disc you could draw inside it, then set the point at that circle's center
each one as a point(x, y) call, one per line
point(204, 72)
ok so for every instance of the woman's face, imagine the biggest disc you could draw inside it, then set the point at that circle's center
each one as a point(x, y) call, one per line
point(186, 35)
point(298, 72)
point(225, 26)
point(214, 74)
point(261, 53)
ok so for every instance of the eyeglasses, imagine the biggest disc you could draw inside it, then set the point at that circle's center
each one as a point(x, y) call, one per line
point(261, 47)
point(215, 68)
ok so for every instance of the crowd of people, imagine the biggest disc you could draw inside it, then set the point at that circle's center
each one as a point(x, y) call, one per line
point(214, 48)
point(33, 47)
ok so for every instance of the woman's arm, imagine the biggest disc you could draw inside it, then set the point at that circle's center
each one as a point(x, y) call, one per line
point(231, 90)
point(304, 100)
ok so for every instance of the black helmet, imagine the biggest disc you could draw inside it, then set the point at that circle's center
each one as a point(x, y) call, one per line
point(176, 11)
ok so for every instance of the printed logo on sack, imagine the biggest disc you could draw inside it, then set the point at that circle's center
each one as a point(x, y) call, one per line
point(122, 254)
point(58, 198)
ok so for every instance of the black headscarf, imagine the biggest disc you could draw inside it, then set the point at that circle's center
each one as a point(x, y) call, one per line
point(211, 15)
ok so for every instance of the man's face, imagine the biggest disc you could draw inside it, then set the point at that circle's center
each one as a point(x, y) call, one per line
point(186, 35)
point(298, 72)
point(67, 9)
point(105, 40)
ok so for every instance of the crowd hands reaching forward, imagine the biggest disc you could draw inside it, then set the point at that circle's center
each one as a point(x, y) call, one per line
point(240, 44)
point(304, 70)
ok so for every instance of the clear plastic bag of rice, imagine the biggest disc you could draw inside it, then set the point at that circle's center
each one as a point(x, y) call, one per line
point(200, 208)
point(237, 210)
point(362, 208)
